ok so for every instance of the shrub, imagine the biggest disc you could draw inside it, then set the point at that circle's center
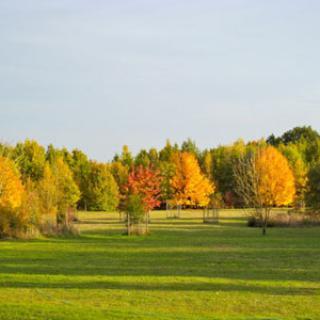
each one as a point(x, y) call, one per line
point(135, 214)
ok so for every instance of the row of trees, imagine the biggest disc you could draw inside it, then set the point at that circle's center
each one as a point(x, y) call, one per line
point(48, 183)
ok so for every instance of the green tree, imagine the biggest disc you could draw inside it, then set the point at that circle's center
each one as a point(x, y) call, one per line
point(30, 158)
point(80, 167)
point(313, 190)
point(67, 190)
point(142, 159)
point(135, 210)
point(167, 152)
point(299, 168)
point(190, 147)
point(102, 189)
point(307, 140)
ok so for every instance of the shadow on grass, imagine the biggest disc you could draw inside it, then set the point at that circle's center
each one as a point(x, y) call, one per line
point(166, 286)
point(237, 253)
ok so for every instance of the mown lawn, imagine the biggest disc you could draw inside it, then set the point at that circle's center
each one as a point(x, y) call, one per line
point(183, 270)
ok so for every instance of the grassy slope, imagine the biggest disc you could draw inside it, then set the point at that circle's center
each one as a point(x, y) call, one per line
point(184, 270)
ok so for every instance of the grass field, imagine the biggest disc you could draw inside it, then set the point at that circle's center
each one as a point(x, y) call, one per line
point(183, 270)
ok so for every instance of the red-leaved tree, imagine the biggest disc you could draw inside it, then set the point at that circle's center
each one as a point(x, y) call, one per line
point(144, 183)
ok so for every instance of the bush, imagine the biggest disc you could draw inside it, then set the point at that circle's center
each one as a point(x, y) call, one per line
point(289, 219)
point(135, 215)
point(14, 223)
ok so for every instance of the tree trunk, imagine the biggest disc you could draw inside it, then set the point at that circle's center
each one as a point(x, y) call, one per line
point(128, 224)
point(264, 230)
point(147, 222)
point(265, 220)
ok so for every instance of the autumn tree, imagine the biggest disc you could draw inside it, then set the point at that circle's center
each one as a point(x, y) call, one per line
point(154, 157)
point(222, 159)
point(11, 196)
point(145, 183)
point(135, 213)
point(167, 171)
point(190, 186)
point(48, 194)
point(6, 150)
point(67, 191)
point(120, 174)
point(80, 167)
point(300, 171)
point(264, 180)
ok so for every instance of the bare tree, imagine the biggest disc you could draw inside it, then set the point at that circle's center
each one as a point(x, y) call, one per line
point(247, 180)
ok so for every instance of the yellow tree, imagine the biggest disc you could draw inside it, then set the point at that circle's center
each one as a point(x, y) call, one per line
point(190, 186)
point(265, 180)
point(47, 191)
point(11, 196)
point(11, 189)
point(299, 169)
point(276, 180)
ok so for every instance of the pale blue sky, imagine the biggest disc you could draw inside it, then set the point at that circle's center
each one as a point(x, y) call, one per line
point(98, 74)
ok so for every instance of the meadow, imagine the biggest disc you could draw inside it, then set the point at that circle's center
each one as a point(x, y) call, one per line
point(184, 270)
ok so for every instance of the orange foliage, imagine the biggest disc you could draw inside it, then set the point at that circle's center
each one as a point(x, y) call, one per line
point(276, 180)
point(11, 189)
point(190, 186)
point(146, 183)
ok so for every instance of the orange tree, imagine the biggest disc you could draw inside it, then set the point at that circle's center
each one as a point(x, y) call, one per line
point(190, 186)
point(144, 182)
point(11, 196)
point(265, 180)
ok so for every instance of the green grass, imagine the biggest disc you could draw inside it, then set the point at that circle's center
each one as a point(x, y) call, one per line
point(183, 270)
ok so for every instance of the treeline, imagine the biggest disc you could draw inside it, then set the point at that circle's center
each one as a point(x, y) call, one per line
point(40, 187)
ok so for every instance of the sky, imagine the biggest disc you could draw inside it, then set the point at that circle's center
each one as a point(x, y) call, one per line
point(98, 74)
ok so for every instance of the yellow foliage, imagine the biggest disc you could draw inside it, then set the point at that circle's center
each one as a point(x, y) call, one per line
point(47, 191)
point(11, 189)
point(190, 186)
point(276, 181)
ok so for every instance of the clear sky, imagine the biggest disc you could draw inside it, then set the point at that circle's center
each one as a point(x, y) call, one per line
point(98, 74)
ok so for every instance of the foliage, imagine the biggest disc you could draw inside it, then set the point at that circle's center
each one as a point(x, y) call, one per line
point(313, 191)
point(11, 189)
point(146, 183)
point(142, 159)
point(295, 135)
point(103, 186)
point(191, 187)
point(135, 209)
point(30, 158)
point(125, 158)
point(12, 220)
point(263, 180)
point(67, 191)
point(102, 191)
point(222, 159)
point(276, 182)
point(305, 138)
point(167, 171)
point(48, 194)
point(80, 167)
point(190, 146)
point(299, 169)
point(167, 152)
